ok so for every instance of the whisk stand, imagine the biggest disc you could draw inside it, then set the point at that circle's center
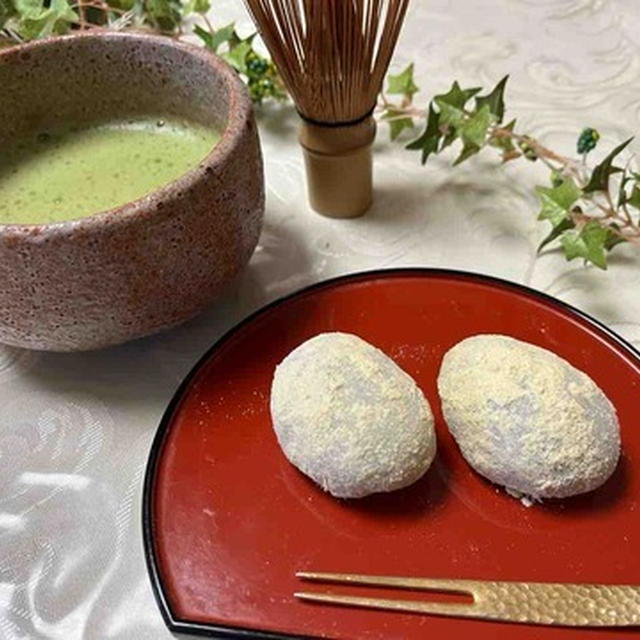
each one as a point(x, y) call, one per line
point(339, 166)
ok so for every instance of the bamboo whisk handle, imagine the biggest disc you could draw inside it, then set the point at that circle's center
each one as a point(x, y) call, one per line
point(339, 167)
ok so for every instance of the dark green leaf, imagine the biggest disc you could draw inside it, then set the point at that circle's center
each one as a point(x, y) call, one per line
point(397, 123)
point(450, 136)
point(205, 36)
point(634, 198)
point(588, 243)
point(622, 191)
point(564, 225)
point(556, 202)
point(428, 141)
point(402, 83)
point(599, 180)
point(494, 100)
point(473, 130)
point(468, 149)
point(166, 15)
point(456, 97)
point(7, 10)
point(613, 239)
point(124, 5)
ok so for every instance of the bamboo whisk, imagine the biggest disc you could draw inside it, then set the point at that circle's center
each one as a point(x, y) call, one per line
point(332, 56)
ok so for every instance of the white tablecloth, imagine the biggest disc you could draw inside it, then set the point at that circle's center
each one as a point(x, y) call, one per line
point(75, 429)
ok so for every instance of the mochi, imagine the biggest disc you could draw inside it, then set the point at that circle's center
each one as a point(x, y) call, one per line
point(349, 418)
point(526, 419)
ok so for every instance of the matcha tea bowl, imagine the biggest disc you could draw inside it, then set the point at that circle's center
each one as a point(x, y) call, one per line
point(131, 187)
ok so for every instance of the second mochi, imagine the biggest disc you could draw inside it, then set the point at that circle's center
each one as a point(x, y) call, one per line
point(526, 419)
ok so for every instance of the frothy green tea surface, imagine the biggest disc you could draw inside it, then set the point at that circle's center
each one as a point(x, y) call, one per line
point(71, 173)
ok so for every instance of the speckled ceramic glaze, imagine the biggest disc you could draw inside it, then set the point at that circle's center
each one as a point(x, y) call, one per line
point(150, 264)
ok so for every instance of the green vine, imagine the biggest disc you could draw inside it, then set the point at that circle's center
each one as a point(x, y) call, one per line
point(23, 20)
point(590, 210)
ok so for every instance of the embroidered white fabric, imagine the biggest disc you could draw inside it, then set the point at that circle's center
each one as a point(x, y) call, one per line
point(75, 429)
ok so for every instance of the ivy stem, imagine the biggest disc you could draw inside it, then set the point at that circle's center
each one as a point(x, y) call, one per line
point(612, 209)
point(401, 111)
point(617, 220)
point(81, 15)
point(545, 154)
point(208, 23)
point(627, 215)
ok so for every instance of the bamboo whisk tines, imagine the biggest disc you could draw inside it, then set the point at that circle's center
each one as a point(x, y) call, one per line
point(332, 56)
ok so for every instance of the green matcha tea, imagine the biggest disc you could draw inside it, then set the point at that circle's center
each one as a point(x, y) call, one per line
point(73, 172)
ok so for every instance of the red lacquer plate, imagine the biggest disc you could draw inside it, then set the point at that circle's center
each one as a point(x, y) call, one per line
point(228, 521)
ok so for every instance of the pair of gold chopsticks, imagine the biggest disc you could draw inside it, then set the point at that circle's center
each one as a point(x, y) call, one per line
point(575, 605)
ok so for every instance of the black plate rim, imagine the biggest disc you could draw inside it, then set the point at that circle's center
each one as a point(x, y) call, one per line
point(178, 625)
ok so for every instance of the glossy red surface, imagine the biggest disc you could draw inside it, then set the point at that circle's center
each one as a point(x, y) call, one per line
point(233, 520)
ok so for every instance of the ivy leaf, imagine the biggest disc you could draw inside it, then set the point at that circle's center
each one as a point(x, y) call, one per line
point(223, 35)
point(205, 36)
point(450, 135)
point(237, 55)
point(468, 149)
point(397, 123)
point(7, 10)
point(503, 142)
point(197, 6)
point(473, 130)
point(599, 180)
point(622, 189)
point(428, 141)
point(564, 225)
point(166, 15)
point(588, 243)
point(456, 97)
point(494, 100)
point(556, 202)
point(38, 21)
point(213, 41)
point(450, 115)
point(63, 13)
point(613, 239)
point(34, 18)
point(402, 83)
point(634, 198)
point(124, 5)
